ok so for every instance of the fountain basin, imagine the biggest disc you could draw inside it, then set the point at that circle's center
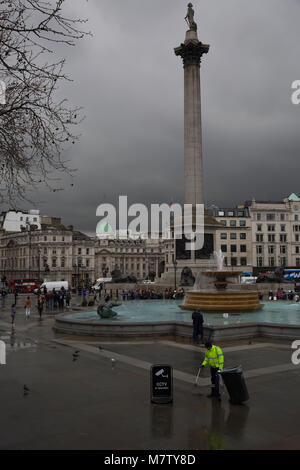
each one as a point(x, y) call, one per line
point(222, 301)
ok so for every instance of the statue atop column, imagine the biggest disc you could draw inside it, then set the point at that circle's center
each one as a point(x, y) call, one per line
point(190, 18)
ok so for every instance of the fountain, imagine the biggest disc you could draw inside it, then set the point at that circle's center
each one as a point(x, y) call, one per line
point(211, 294)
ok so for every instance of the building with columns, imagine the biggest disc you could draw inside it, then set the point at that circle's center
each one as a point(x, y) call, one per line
point(141, 258)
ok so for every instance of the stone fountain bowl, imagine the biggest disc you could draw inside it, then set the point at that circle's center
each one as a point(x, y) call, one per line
point(222, 300)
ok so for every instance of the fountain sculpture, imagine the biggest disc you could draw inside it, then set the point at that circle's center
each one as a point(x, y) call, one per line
point(212, 295)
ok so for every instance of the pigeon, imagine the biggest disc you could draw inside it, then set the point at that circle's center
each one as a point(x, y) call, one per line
point(75, 356)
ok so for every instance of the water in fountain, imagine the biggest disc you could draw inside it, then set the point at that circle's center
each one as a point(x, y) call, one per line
point(219, 258)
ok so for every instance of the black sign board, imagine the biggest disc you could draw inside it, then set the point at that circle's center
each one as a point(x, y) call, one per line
point(161, 384)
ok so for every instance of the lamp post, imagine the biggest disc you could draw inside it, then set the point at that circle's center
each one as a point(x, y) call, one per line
point(76, 267)
point(29, 248)
point(175, 270)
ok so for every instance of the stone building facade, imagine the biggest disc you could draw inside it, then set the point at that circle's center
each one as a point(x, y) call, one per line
point(52, 253)
point(140, 258)
point(275, 233)
point(234, 238)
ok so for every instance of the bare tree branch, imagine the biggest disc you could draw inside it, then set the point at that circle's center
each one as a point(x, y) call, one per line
point(35, 127)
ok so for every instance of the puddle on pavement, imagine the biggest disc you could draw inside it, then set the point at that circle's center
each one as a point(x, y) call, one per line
point(13, 343)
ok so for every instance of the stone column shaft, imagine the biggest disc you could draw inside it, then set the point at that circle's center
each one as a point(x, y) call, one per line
point(193, 174)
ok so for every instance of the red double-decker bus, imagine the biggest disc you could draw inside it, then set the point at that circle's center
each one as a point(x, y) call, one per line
point(25, 285)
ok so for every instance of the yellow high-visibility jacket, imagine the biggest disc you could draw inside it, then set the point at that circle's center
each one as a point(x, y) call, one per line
point(214, 357)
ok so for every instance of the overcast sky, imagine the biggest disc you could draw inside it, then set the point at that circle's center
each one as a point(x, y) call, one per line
point(130, 84)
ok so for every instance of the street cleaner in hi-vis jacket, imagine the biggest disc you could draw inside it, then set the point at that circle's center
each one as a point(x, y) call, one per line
point(215, 359)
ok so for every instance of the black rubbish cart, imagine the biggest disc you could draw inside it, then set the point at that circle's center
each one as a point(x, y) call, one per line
point(234, 381)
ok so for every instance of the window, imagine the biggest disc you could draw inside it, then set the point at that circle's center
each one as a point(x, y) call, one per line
point(270, 216)
point(283, 262)
point(259, 249)
point(233, 248)
point(243, 261)
point(258, 216)
point(259, 262)
point(79, 251)
point(296, 238)
point(297, 262)
point(233, 261)
point(271, 238)
point(243, 248)
point(283, 238)
point(282, 216)
point(296, 217)
point(271, 249)
point(87, 263)
point(297, 250)
point(240, 213)
point(242, 223)
point(271, 228)
point(283, 249)
point(233, 223)
point(230, 214)
point(45, 251)
point(54, 239)
point(223, 222)
point(259, 238)
point(87, 251)
point(53, 262)
point(54, 251)
point(221, 213)
point(243, 236)
point(258, 227)
point(45, 239)
point(63, 262)
point(224, 248)
point(223, 236)
point(233, 236)
point(272, 261)
point(282, 228)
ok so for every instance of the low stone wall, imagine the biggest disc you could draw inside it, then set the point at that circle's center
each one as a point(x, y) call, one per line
point(175, 329)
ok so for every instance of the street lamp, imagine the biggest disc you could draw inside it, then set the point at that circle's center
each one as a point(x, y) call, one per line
point(175, 270)
point(76, 274)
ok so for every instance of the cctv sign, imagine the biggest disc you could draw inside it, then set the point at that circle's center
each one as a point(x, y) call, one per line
point(161, 384)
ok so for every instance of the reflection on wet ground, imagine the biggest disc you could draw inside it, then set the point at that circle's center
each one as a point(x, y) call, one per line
point(15, 343)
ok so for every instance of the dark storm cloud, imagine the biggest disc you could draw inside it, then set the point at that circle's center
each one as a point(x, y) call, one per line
point(130, 84)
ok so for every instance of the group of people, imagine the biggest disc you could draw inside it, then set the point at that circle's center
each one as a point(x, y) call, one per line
point(146, 294)
point(280, 294)
point(49, 300)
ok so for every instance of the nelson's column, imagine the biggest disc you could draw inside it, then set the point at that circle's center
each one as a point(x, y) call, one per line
point(191, 52)
point(190, 263)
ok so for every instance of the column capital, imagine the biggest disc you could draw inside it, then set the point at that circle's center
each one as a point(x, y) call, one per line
point(191, 52)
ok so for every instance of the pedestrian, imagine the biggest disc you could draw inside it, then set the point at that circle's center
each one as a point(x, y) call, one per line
point(68, 298)
point(215, 359)
point(27, 307)
point(16, 296)
point(13, 314)
point(198, 321)
point(40, 306)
